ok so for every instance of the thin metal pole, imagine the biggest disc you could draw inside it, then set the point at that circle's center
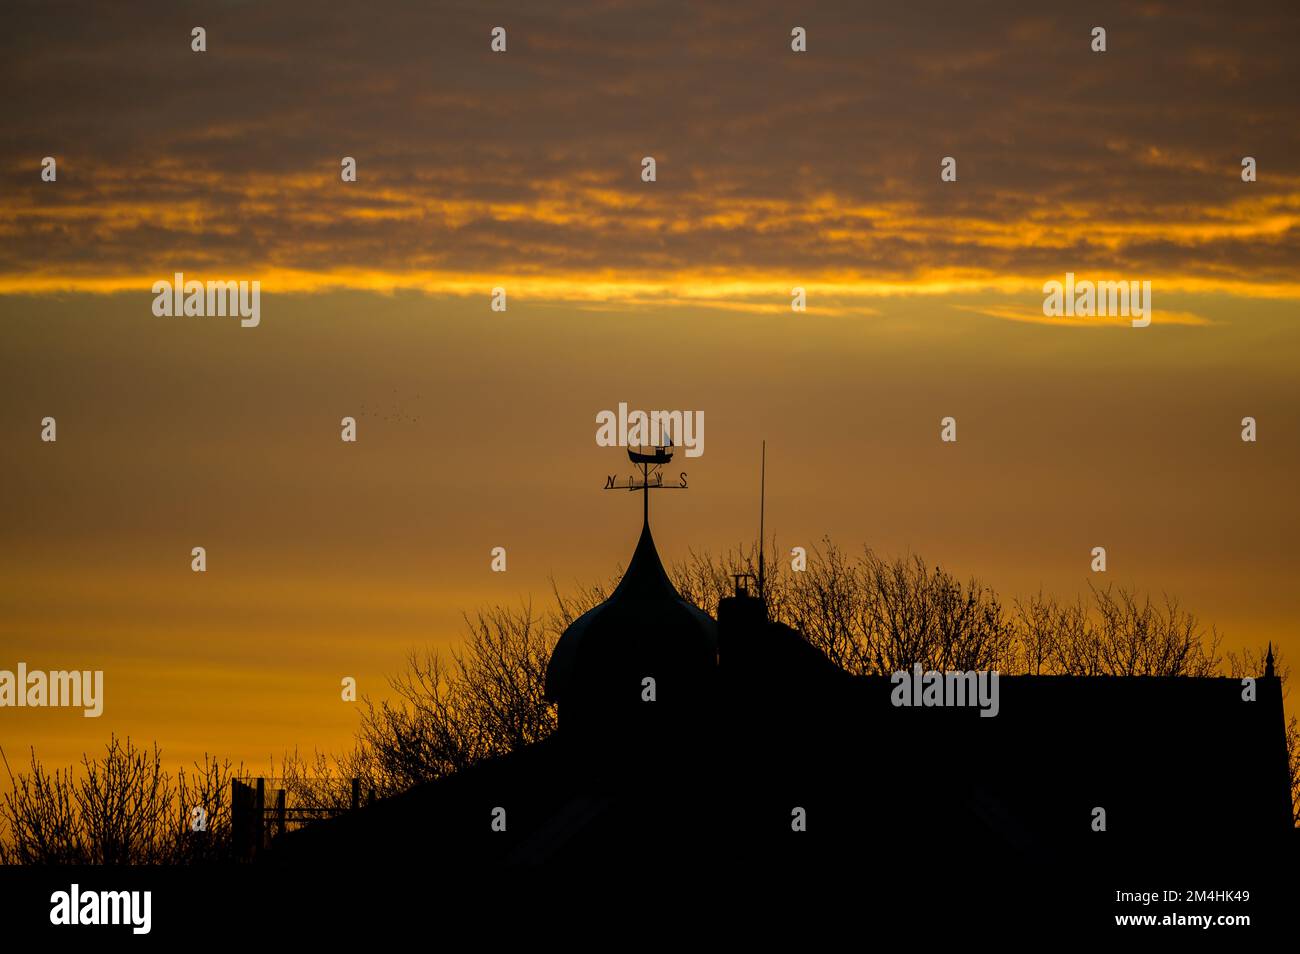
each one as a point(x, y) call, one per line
point(762, 498)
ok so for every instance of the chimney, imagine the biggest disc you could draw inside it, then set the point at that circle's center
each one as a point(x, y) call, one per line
point(740, 618)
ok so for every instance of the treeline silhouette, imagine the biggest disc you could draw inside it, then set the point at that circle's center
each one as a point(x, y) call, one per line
point(122, 808)
point(125, 807)
point(448, 710)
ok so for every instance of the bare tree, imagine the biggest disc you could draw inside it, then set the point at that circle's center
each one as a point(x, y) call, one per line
point(482, 700)
point(1134, 637)
point(40, 814)
point(122, 808)
point(1251, 662)
point(868, 615)
point(123, 802)
point(1038, 627)
point(1293, 764)
point(206, 788)
point(323, 783)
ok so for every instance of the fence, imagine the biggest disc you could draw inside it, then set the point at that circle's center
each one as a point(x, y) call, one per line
point(255, 822)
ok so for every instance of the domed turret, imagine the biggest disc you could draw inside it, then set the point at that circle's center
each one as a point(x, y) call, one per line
point(599, 669)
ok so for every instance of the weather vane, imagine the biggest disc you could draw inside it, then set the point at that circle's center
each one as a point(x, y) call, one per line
point(651, 477)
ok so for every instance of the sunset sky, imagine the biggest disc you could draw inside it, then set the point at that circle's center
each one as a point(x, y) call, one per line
point(523, 170)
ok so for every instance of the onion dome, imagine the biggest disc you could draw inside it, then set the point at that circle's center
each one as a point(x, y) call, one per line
point(643, 630)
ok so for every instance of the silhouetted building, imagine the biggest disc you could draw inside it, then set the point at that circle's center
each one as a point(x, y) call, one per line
point(751, 729)
point(644, 642)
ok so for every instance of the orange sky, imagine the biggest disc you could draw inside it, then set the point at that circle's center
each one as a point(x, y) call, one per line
point(477, 428)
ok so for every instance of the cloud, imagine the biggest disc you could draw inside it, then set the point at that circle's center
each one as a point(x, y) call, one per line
point(1026, 313)
point(774, 168)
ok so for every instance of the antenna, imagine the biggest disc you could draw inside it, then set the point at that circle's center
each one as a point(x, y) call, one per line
point(762, 497)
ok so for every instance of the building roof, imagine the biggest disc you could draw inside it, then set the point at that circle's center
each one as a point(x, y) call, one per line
point(643, 627)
